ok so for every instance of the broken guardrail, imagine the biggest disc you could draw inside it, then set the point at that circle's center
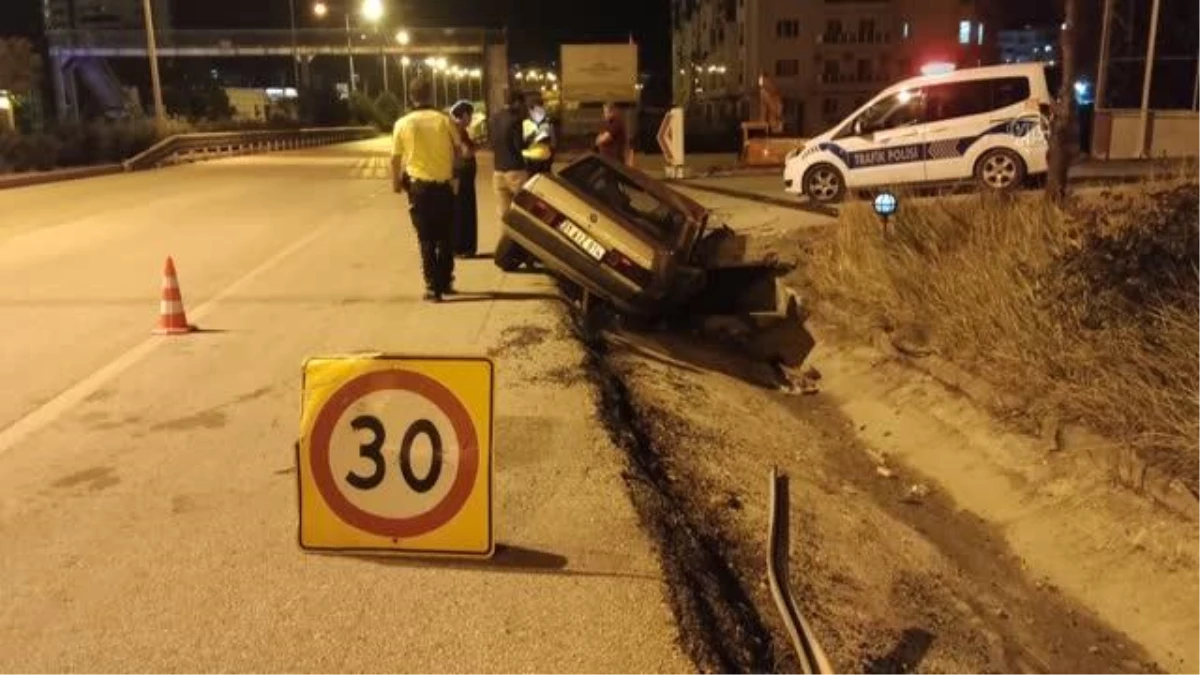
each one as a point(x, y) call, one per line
point(194, 147)
point(804, 641)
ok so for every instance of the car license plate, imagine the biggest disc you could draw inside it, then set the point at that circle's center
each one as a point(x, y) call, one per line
point(581, 239)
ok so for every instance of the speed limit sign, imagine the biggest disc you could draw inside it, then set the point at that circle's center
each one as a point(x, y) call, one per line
point(395, 455)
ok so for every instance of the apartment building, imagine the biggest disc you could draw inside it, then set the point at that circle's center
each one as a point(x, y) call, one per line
point(103, 14)
point(825, 56)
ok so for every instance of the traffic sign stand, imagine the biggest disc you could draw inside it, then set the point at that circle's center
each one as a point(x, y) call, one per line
point(395, 455)
point(670, 142)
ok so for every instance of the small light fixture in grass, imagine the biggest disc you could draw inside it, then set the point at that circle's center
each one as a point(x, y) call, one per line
point(886, 205)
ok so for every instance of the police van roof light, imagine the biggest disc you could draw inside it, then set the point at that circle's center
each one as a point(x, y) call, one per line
point(937, 68)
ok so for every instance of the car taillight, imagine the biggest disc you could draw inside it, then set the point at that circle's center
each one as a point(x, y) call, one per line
point(540, 209)
point(627, 268)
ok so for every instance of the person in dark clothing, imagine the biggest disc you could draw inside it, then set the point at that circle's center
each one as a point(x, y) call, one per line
point(466, 218)
point(505, 130)
point(613, 140)
point(425, 143)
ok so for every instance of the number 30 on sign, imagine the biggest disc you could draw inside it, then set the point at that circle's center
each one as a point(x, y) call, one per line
point(395, 455)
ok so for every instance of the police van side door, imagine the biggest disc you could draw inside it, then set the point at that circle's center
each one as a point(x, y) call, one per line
point(885, 144)
point(969, 117)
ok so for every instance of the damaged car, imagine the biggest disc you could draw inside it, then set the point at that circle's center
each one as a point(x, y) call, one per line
point(629, 242)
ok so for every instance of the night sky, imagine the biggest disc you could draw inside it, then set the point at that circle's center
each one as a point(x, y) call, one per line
point(535, 26)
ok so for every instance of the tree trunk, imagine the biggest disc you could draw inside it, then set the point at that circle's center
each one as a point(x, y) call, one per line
point(1062, 125)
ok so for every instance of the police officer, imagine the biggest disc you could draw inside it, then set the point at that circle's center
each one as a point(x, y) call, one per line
point(537, 132)
point(424, 146)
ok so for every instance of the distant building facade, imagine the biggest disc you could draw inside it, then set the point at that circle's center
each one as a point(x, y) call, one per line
point(103, 14)
point(1028, 45)
point(825, 56)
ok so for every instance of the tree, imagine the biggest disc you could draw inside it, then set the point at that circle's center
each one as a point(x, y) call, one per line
point(1062, 123)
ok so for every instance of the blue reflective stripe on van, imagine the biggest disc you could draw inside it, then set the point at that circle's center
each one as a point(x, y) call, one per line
point(950, 148)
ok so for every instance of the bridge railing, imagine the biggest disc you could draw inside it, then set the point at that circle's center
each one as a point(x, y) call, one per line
point(194, 147)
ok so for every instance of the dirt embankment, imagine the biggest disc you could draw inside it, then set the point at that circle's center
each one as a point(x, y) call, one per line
point(927, 535)
point(894, 579)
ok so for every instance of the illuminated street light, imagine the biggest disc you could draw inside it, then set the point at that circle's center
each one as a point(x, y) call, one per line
point(405, 61)
point(552, 77)
point(320, 9)
point(372, 10)
point(403, 38)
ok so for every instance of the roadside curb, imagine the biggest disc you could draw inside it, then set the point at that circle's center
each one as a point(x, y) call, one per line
point(1063, 438)
point(58, 175)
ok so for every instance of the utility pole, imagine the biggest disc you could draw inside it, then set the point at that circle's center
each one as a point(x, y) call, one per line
point(1147, 78)
point(383, 59)
point(1102, 72)
point(295, 47)
point(350, 52)
point(1196, 91)
point(1061, 126)
point(160, 113)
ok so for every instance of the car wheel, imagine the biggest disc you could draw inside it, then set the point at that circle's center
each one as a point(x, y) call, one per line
point(824, 183)
point(1000, 170)
point(509, 255)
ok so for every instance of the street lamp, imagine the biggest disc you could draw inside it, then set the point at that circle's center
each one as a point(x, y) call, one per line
point(160, 113)
point(321, 10)
point(403, 38)
point(404, 63)
point(372, 10)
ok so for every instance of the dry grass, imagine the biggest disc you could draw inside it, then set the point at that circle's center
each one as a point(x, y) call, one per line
point(1089, 313)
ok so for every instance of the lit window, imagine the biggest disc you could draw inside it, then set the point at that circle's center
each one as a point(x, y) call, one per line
point(979, 33)
point(964, 32)
point(904, 30)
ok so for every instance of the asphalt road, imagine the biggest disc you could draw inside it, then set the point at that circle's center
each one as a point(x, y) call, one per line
point(148, 508)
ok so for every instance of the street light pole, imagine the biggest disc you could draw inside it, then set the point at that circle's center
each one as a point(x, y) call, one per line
point(383, 62)
point(295, 47)
point(1102, 67)
point(160, 113)
point(350, 51)
point(404, 61)
point(1144, 121)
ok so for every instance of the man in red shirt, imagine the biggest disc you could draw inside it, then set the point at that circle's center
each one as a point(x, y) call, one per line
point(613, 141)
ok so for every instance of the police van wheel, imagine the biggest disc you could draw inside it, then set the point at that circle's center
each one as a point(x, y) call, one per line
point(1000, 170)
point(824, 183)
point(509, 255)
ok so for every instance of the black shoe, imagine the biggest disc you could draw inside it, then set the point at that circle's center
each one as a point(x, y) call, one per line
point(432, 296)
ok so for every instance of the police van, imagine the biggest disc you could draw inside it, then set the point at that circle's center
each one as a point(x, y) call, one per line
point(988, 124)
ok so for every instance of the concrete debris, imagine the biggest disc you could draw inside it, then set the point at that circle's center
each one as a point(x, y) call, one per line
point(885, 472)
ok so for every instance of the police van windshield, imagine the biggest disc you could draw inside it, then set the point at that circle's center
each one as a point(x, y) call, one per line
point(896, 110)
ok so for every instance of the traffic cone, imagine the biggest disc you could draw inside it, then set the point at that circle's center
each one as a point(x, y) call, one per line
point(171, 318)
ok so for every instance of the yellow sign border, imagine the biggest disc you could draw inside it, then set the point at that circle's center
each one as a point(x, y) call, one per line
point(486, 451)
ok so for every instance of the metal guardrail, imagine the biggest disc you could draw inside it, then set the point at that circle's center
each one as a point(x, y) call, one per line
point(193, 147)
point(813, 660)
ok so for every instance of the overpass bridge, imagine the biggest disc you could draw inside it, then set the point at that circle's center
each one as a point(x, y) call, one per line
point(81, 55)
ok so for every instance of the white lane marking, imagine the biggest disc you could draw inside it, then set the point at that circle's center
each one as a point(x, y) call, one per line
point(48, 412)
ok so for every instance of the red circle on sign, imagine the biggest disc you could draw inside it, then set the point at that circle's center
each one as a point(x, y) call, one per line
point(464, 429)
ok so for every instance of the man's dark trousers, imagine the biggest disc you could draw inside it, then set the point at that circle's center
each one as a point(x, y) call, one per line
point(432, 208)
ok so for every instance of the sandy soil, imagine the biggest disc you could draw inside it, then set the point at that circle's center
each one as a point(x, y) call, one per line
point(926, 535)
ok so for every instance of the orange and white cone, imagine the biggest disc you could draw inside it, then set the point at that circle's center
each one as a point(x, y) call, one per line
point(171, 318)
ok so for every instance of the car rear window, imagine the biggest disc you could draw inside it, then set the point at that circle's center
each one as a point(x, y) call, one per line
point(656, 218)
